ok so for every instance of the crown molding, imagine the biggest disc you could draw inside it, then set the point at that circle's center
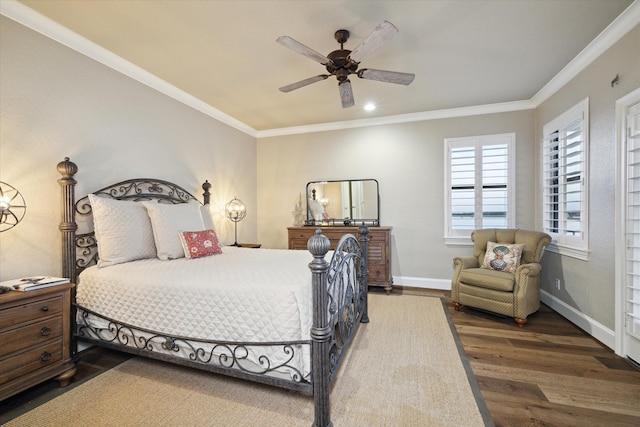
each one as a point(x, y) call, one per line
point(28, 17)
point(37, 22)
point(477, 110)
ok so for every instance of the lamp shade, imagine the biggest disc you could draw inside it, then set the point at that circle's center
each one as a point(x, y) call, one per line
point(235, 210)
point(12, 206)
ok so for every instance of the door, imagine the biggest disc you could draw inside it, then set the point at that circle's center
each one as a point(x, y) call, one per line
point(629, 129)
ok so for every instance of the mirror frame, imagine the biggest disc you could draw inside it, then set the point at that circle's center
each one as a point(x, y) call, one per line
point(342, 222)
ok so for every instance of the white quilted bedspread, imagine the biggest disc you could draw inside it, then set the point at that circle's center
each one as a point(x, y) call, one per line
point(240, 295)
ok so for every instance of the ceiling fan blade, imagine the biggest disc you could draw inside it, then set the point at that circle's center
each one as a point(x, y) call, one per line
point(298, 47)
point(386, 76)
point(302, 83)
point(346, 94)
point(384, 31)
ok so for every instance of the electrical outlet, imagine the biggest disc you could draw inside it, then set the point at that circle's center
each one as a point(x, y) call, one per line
point(558, 284)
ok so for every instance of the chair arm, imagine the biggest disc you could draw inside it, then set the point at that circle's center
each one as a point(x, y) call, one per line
point(532, 269)
point(459, 264)
point(462, 263)
point(527, 289)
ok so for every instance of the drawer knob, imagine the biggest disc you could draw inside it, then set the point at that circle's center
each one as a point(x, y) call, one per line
point(45, 308)
point(46, 356)
point(45, 331)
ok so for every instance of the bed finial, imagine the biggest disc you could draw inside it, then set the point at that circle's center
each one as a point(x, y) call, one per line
point(319, 245)
point(68, 224)
point(363, 238)
point(67, 168)
point(206, 196)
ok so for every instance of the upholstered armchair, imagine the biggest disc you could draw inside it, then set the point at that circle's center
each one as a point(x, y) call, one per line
point(498, 283)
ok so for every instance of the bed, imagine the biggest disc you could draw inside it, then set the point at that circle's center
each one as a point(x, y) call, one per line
point(280, 317)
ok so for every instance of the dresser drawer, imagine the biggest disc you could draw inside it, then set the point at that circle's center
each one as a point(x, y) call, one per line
point(30, 312)
point(300, 244)
point(377, 253)
point(31, 360)
point(377, 273)
point(30, 335)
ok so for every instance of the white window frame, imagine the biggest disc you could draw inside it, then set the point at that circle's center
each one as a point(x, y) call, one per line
point(554, 194)
point(477, 143)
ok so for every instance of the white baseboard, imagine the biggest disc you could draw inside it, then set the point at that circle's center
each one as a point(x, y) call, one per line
point(422, 282)
point(597, 330)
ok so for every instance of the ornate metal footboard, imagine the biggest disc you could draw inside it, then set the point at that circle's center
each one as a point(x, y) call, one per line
point(339, 305)
point(276, 361)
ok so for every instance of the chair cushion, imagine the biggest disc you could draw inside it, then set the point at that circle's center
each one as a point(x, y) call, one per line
point(489, 279)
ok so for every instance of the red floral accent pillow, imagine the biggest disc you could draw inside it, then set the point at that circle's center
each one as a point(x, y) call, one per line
point(197, 244)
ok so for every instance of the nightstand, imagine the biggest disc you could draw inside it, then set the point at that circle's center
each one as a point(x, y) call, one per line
point(35, 335)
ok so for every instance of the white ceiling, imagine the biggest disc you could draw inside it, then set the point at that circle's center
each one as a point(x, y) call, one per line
point(464, 53)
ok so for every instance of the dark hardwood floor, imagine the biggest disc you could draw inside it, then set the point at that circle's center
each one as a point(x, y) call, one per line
point(550, 373)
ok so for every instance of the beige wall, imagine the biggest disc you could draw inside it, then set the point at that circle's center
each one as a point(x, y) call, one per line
point(56, 103)
point(408, 162)
point(588, 286)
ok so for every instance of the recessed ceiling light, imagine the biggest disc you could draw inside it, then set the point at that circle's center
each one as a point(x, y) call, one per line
point(370, 106)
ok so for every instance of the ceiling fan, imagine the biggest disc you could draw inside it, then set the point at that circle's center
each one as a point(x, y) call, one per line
point(342, 62)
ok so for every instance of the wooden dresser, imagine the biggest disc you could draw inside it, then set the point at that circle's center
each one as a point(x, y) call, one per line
point(35, 334)
point(379, 249)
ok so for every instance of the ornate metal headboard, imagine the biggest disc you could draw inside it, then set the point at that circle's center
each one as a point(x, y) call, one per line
point(80, 250)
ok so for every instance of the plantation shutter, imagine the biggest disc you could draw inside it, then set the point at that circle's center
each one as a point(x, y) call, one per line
point(463, 191)
point(480, 178)
point(551, 198)
point(564, 178)
point(632, 282)
point(495, 175)
point(572, 191)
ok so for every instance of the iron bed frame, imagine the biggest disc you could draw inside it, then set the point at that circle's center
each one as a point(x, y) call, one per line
point(339, 295)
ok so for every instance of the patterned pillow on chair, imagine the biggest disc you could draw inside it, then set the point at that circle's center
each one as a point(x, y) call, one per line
point(503, 257)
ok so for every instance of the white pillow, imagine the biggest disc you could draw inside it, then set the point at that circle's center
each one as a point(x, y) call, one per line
point(206, 217)
point(122, 229)
point(167, 221)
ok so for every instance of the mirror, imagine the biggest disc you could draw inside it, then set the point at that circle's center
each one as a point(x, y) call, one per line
point(347, 203)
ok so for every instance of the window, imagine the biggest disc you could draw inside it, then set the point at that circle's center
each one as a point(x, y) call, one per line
point(480, 184)
point(564, 180)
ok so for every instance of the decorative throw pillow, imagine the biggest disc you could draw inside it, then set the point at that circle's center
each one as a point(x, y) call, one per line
point(503, 257)
point(122, 229)
point(197, 244)
point(167, 220)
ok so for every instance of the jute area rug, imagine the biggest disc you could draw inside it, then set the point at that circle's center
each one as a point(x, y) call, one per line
point(405, 368)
